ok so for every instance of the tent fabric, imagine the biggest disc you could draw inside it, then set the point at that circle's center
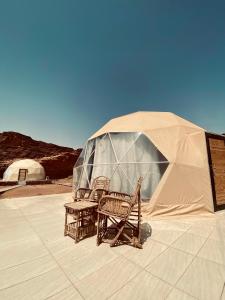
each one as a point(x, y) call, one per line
point(35, 171)
point(185, 186)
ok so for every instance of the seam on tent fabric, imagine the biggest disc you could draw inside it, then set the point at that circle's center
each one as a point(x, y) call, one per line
point(139, 134)
point(126, 176)
point(143, 131)
point(114, 151)
point(128, 162)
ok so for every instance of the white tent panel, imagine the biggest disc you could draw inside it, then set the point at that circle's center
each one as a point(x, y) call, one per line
point(35, 171)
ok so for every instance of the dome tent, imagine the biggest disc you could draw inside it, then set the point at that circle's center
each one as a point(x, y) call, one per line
point(167, 151)
point(32, 170)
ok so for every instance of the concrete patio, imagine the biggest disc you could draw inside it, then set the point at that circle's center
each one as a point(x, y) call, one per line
point(182, 259)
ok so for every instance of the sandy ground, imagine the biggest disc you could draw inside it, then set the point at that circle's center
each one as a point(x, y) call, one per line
point(36, 190)
point(66, 181)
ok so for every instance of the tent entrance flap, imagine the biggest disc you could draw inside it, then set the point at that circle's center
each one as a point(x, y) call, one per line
point(216, 154)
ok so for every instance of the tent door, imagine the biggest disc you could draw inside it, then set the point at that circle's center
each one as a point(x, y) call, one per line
point(22, 174)
point(216, 155)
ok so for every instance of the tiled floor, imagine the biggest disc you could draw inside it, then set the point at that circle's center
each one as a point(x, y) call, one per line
point(183, 259)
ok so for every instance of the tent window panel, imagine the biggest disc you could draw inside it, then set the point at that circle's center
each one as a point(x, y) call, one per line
point(104, 152)
point(106, 170)
point(152, 178)
point(150, 184)
point(122, 142)
point(84, 182)
point(81, 158)
point(143, 150)
point(120, 182)
point(135, 170)
point(162, 167)
point(77, 176)
point(89, 170)
point(89, 157)
point(123, 158)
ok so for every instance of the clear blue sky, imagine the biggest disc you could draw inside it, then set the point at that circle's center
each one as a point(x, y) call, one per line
point(67, 66)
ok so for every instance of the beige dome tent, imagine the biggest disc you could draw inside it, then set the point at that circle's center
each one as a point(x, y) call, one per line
point(167, 151)
point(24, 170)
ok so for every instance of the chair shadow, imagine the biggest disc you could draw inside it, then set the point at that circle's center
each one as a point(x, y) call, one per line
point(146, 232)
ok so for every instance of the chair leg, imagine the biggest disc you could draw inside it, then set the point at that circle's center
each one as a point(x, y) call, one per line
point(104, 225)
point(113, 242)
point(136, 243)
point(135, 239)
point(98, 229)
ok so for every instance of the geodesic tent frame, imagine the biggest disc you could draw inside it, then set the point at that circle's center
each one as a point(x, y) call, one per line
point(184, 185)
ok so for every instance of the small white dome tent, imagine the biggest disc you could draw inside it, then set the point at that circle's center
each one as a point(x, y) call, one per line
point(168, 151)
point(24, 169)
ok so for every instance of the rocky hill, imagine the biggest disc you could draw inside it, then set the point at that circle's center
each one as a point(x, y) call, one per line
point(58, 161)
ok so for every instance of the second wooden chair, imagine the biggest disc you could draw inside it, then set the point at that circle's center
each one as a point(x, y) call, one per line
point(122, 210)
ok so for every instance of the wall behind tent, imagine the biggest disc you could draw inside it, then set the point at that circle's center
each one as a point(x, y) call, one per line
point(216, 152)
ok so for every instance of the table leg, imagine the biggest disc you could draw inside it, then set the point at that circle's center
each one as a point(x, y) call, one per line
point(77, 228)
point(98, 229)
point(65, 226)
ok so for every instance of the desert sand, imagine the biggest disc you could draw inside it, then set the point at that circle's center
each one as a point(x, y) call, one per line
point(36, 190)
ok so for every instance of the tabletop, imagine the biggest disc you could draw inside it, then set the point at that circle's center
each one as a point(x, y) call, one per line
point(81, 205)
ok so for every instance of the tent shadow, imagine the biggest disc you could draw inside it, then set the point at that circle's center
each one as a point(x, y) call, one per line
point(146, 232)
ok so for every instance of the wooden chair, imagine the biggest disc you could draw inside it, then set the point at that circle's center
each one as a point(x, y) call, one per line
point(124, 213)
point(99, 188)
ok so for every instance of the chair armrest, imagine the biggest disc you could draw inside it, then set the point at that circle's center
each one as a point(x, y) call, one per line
point(115, 206)
point(113, 198)
point(118, 200)
point(119, 194)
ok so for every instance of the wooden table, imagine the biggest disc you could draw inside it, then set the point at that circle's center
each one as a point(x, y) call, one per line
point(84, 215)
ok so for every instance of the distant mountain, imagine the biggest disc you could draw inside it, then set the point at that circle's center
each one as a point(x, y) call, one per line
point(58, 161)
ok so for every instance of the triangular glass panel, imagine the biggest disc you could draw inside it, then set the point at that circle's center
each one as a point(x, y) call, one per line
point(89, 157)
point(90, 161)
point(104, 151)
point(76, 176)
point(81, 157)
point(94, 171)
point(83, 183)
point(152, 179)
point(133, 172)
point(122, 142)
point(150, 172)
point(143, 150)
point(120, 182)
point(89, 170)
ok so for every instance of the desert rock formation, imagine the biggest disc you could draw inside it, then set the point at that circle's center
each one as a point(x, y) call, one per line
point(58, 161)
